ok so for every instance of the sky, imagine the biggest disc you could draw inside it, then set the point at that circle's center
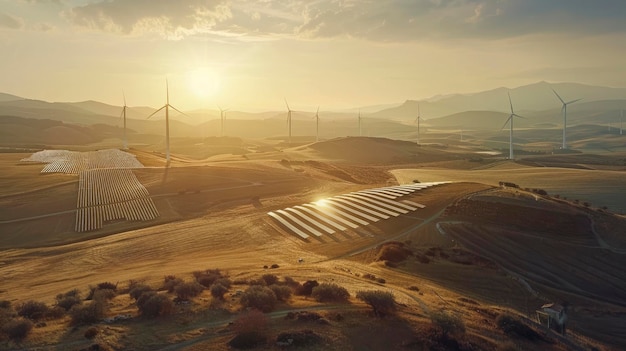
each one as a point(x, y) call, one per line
point(251, 55)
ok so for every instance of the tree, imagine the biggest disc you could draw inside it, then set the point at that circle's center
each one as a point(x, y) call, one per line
point(382, 302)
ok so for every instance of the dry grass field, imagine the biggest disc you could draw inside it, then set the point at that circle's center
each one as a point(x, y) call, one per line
point(213, 214)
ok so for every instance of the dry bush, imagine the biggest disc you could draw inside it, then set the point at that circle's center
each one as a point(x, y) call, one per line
point(170, 283)
point(218, 290)
point(187, 290)
point(259, 297)
point(393, 251)
point(283, 292)
point(307, 288)
point(208, 277)
point(69, 299)
point(90, 313)
point(270, 279)
point(382, 302)
point(330, 292)
point(138, 289)
point(33, 310)
point(17, 329)
point(447, 323)
point(5, 304)
point(152, 304)
point(251, 328)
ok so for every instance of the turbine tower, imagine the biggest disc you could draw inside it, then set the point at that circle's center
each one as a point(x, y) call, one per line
point(564, 110)
point(123, 115)
point(167, 107)
point(317, 125)
point(222, 116)
point(418, 119)
point(510, 119)
point(288, 120)
point(621, 121)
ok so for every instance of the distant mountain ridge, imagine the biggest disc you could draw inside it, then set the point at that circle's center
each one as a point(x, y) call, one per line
point(481, 110)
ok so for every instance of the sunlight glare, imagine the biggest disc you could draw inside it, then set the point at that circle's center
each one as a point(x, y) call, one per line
point(203, 82)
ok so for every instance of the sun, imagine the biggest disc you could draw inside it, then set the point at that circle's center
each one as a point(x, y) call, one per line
point(203, 82)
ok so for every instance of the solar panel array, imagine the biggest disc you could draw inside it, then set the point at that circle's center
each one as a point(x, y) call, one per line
point(73, 162)
point(107, 189)
point(348, 211)
point(111, 194)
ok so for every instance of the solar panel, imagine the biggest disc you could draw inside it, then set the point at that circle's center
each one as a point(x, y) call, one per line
point(369, 205)
point(300, 223)
point(288, 225)
point(311, 220)
point(322, 218)
point(378, 203)
point(333, 202)
point(328, 212)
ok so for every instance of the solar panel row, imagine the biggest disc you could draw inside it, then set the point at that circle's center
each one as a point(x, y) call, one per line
point(353, 210)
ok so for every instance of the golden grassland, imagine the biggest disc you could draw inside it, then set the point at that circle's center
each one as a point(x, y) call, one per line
point(213, 215)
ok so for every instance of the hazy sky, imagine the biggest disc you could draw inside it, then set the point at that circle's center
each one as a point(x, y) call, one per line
point(335, 53)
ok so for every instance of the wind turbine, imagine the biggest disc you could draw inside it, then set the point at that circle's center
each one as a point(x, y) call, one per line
point(123, 115)
point(222, 115)
point(167, 107)
point(317, 125)
point(418, 119)
point(564, 109)
point(510, 119)
point(621, 121)
point(288, 120)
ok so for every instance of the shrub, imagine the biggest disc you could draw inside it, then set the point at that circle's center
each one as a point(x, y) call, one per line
point(269, 279)
point(330, 292)
point(259, 297)
point(69, 299)
point(382, 302)
point(414, 288)
point(152, 304)
point(55, 312)
point(171, 282)
point(91, 332)
point(251, 328)
point(87, 314)
point(307, 288)
point(107, 285)
point(393, 252)
point(282, 292)
point(138, 289)
point(274, 266)
point(17, 329)
point(5, 304)
point(207, 277)
point(218, 290)
point(187, 290)
point(106, 294)
point(512, 326)
point(33, 310)
point(447, 323)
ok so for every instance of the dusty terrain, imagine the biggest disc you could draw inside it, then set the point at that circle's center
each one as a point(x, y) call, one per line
point(213, 214)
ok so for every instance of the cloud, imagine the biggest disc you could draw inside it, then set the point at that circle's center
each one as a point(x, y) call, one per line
point(376, 20)
point(8, 21)
point(173, 19)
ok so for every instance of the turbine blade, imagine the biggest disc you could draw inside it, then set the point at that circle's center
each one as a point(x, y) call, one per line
point(155, 112)
point(510, 102)
point(179, 111)
point(507, 121)
point(288, 109)
point(124, 98)
point(516, 115)
point(557, 95)
point(573, 101)
point(167, 91)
